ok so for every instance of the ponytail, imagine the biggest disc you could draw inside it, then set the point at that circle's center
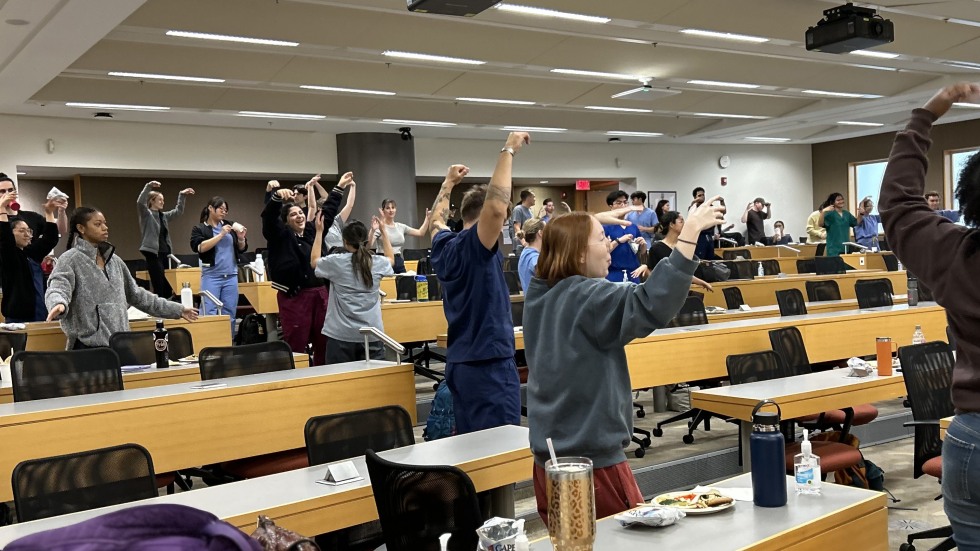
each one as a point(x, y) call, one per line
point(356, 236)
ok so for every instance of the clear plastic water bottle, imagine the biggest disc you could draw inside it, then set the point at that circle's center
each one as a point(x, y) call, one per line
point(918, 337)
point(874, 244)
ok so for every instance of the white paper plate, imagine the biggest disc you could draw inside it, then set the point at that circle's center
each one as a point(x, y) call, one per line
point(691, 510)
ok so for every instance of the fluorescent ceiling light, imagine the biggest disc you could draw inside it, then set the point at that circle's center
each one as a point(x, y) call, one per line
point(544, 129)
point(346, 90)
point(618, 109)
point(229, 38)
point(164, 77)
point(728, 116)
point(268, 115)
point(859, 123)
point(543, 182)
point(428, 57)
point(964, 22)
point(965, 104)
point(418, 123)
point(598, 74)
point(501, 101)
point(876, 67)
point(633, 134)
point(872, 53)
point(963, 65)
point(840, 94)
point(725, 36)
point(22, 174)
point(632, 40)
point(116, 106)
point(764, 139)
point(527, 10)
point(722, 84)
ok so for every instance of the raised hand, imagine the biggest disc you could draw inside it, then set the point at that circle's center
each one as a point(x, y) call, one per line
point(272, 185)
point(944, 99)
point(318, 221)
point(285, 194)
point(456, 173)
point(8, 198)
point(346, 180)
point(376, 224)
point(517, 140)
point(706, 216)
point(187, 191)
point(313, 180)
point(154, 184)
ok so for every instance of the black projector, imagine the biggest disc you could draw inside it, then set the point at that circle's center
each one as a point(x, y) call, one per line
point(463, 8)
point(847, 28)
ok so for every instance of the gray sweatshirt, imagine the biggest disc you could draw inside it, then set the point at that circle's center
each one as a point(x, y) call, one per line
point(578, 388)
point(150, 222)
point(96, 301)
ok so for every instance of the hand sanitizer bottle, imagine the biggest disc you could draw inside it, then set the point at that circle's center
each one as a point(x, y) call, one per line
point(806, 467)
point(761, 271)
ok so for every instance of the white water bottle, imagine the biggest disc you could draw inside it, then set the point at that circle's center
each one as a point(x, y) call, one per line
point(918, 337)
point(259, 265)
point(186, 296)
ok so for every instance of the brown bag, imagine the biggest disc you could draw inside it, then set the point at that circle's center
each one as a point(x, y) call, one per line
point(277, 538)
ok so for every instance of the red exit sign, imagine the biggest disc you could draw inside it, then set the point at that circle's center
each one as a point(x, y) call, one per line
point(583, 185)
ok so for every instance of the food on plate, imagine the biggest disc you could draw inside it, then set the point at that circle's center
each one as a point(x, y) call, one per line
point(692, 500)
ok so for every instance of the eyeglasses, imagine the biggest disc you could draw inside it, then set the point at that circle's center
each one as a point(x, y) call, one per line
point(27, 231)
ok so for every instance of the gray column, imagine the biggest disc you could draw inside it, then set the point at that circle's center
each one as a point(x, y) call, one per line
point(383, 167)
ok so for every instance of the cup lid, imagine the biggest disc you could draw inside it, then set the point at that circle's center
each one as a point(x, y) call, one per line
point(765, 418)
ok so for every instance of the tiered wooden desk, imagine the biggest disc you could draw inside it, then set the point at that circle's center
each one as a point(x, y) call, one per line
point(770, 251)
point(177, 277)
point(859, 261)
point(762, 290)
point(206, 331)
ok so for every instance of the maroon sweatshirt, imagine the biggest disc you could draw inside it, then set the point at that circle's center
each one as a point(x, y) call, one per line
point(941, 254)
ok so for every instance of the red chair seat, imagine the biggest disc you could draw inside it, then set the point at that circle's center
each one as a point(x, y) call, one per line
point(933, 467)
point(834, 456)
point(863, 414)
point(262, 465)
point(165, 479)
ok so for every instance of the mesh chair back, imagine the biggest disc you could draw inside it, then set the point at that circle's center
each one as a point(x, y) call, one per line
point(345, 435)
point(769, 266)
point(791, 302)
point(733, 297)
point(43, 375)
point(81, 481)
point(755, 366)
point(805, 266)
point(414, 254)
point(821, 249)
point(817, 291)
point(424, 266)
point(192, 259)
point(788, 344)
point(418, 504)
point(513, 282)
point(435, 287)
point(692, 313)
point(872, 293)
point(891, 262)
point(219, 362)
point(824, 265)
point(405, 288)
point(735, 253)
point(509, 264)
point(12, 342)
point(136, 347)
point(517, 312)
point(928, 374)
point(740, 270)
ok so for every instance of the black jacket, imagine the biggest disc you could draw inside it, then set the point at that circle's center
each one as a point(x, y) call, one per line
point(19, 298)
point(202, 232)
point(289, 254)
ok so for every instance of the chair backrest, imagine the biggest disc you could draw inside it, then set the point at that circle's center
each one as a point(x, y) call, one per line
point(755, 366)
point(81, 481)
point(733, 297)
point(405, 287)
point(424, 266)
point(787, 343)
point(509, 263)
point(435, 287)
point(43, 375)
point(806, 266)
point(790, 302)
point(691, 313)
point(821, 249)
point(825, 265)
point(928, 375)
point(513, 282)
point(769, 266)
point(341, 436)
point(192, 259)
point(827, 289)
point(732, 254)
point(12, 342)
point(740, 269)
point(891, 262)
point(219, 362)
point(950, 338)
point(136, 347)
point(873, 293)
point(517, 312)
point(417, 504)
point(414, 254)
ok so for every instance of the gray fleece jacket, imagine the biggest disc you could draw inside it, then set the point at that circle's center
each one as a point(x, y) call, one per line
point(578, 388)
point(96, 301)
point(150, 222)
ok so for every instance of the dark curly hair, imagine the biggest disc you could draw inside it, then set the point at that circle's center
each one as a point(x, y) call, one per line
point(968, 191)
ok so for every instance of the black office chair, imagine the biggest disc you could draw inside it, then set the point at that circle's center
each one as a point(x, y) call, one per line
point(414, 254)
point(405, 287)
point(928, 375)
point(791, 302)
point(691, 313)
point(806, 266)
point(509, 263)
point(739, 269)
point(873, 293)
point(829, 265)
point(81, 481)
point(733, 297)
point(219, 362)
point(513, 282)
point(192, 260)
point(417, 504)
point(891, 262)
point(733, 254)
point(343, 436)
point(136, 347)
point(950, 338)
point(424, 266)
point(817, 291)
point(769, 266)
point(42, 375)
point(12, 342)
point(821, 250)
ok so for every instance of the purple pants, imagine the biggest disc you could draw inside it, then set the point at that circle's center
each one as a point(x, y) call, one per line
point(302, 318)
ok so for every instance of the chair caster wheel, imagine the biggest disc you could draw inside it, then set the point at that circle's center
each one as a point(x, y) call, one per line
point(641, 414)
point(639, 453)
point(647, 442)
point(906, 547)
point(688, 439)
point(658, 432)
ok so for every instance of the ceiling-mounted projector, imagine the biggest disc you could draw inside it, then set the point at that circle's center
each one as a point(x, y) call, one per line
point(462, 8)
point(847, 28)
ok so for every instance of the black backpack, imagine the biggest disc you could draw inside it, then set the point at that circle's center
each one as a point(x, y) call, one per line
point(251, 330)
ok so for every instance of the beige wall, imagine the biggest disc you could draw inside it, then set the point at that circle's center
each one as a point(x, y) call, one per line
point(831, 159)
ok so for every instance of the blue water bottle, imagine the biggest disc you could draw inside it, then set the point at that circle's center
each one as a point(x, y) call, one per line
point(767, 448)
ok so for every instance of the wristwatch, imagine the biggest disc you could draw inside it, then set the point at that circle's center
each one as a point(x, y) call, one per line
point(508, 150)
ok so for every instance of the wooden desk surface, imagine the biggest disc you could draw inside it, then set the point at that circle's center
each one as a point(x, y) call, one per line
point(841, 517)
point(772, 310)
point(177, 277)
point(206, 331)
point(943, 425)
point(860, 261)
point(184, 427)
point(762, 291)
point(770, 251)
point(800, 395)
point(261, 296)
point(418, 321)
point(492, 458)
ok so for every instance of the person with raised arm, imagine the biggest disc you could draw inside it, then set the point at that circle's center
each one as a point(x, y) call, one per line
point(23, 277)
point(91, 289)
point(36, 221)
point(944, 256)
point(753, 218)
point(480, 369)
point(576, 327)
point(156, 245)
point(219, 243)
point(838, 222)
point(397, 231)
